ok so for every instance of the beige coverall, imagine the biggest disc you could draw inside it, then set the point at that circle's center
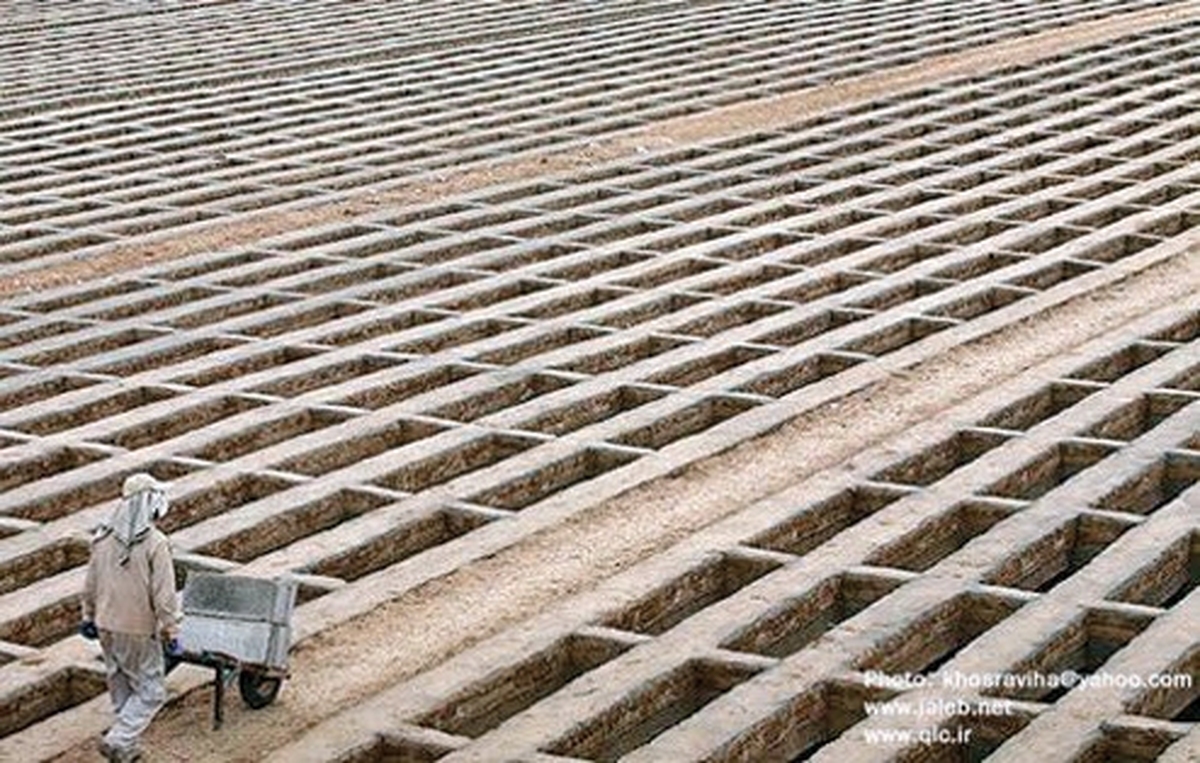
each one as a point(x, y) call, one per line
point(134, 605)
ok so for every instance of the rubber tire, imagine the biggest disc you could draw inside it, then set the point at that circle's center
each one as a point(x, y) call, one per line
point(258, 690)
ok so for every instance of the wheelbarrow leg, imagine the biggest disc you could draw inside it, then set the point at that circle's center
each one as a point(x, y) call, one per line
point(219, 698)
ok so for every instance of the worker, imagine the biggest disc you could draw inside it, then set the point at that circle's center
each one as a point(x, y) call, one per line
point(129, 604)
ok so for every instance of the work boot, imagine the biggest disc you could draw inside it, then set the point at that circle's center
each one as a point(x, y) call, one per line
point(109, 752)
point(118, 755)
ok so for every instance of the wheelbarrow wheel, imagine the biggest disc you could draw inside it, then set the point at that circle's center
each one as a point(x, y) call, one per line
point(258, 690)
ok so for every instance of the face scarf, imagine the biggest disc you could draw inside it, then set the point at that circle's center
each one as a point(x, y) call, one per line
point(135, 515)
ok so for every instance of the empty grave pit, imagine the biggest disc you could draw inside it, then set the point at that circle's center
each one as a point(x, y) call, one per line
point(476, 453)
point(86, 348)
point(28, 394)
point(939, 461)
point(18, 571)
point(349, 277)
point(748, 279)
point(1187, 381)
point(1173, 700)
point(975, 267)
point(1050, 469)
point(149, 360)
point(478, 405)
point(407, 537)
point(415, 287)
point(1135, 419)
point(1083, 647)
point(523, 350)
point(810, 327)
point(210, 264)
point(362, 331)
point(623, 355)
point(987, 731)
point(1047, 239)
point(937, 635)
point(687, 421)
point(295, 320)
point(817, 522)
point(456, 248)
point(980, 303)
point(329, 457)
point(1185, 330)
point(648, 310)
point(795, 623)
point(397, 748)
point(1060, 553)
point(816, 288)
point(17, 470)
point(510, 690)
point(419, 381)
point(543, 481)
point(93, 491)
point(83, 296)
point(1129, 744)
point(648, 711)
point(752, 247)
point(1115, 248)
point(256, 437)
point(326, 375)
point(513, 258)
point(463, 334)
point(503, 291)
point(576, 301)
point(793, 377)
point(1122, 362)
point(727, 318)
point(696, 370)
point(243, 366)
point(225, 495)
point(805, 723)
point(574, 416)
point(939, 537)
point(898, 335)
point(886, 299)
point(1162, 482)
point(1040, 406)
point(182, 419)
point(95, 409)
point(594, 265)
point(228, 309)
point(1168, 579)
point(670, 603)
point(903, 258)
point(293, 523)
point(49, 621)
point(671, 271)
point(271, 269)
point(59, 691)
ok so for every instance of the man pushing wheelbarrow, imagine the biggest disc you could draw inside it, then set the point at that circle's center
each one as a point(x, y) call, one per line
point(238, 626)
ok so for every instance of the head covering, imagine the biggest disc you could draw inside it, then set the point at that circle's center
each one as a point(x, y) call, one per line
point(143, 500)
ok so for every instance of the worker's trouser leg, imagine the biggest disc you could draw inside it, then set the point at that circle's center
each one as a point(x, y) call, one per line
point(136, 683)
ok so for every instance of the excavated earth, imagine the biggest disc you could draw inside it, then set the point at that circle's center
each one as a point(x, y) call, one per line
point(641, 381)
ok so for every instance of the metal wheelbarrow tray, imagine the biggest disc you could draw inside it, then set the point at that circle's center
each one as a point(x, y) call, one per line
point(240, 627)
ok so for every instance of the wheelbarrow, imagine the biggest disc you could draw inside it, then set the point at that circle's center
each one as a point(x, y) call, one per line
point(241, 628)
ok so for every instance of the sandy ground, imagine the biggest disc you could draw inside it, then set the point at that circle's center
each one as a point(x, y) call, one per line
point(340, 667)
